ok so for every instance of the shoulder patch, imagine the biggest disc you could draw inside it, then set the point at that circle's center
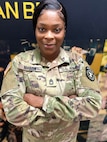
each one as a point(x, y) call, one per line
point(89, 73)
point(7, 68)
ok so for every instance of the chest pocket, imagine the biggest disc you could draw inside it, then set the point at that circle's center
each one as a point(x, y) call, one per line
point(68, 74)
point(34, 79)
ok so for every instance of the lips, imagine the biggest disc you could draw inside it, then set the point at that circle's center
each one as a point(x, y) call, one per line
point(49, 46)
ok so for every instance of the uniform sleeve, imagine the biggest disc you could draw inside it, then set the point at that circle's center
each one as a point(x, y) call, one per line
point(87, 102)
point(17, 111)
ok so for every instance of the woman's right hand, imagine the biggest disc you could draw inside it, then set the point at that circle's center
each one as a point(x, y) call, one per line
point(104, 102)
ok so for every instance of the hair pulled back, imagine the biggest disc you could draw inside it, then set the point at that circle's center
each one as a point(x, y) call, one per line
point(49, 5)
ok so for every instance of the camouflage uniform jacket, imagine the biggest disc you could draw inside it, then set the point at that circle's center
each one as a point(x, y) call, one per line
point(58, 119)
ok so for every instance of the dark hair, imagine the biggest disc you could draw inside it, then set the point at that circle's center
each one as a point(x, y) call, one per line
point(49, 5)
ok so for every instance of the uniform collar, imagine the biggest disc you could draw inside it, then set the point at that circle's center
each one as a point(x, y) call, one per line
point(63, 57)
point(35, 56)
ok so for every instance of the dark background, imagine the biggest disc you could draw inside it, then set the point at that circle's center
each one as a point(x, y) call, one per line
point(87, 19)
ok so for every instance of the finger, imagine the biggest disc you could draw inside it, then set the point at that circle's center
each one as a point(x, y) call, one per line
point(1, 106)
point(72, 96)
point(2, 115)
point(1, 124)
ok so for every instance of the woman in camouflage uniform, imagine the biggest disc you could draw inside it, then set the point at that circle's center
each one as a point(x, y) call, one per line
point(51, 90)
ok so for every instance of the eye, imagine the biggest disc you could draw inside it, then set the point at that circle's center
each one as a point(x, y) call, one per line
point(57, 30)
point(41, 29)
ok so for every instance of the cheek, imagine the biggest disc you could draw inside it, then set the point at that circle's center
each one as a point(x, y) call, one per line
point(60, 39)
point(62, 35)
point(38, 36)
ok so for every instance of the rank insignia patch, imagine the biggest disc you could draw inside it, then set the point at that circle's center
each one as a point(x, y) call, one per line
point(90, 74)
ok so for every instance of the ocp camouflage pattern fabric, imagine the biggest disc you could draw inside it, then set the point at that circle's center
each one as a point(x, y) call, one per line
point(58, 119)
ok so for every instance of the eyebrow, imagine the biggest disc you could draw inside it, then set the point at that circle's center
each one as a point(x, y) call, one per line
point(55, 25)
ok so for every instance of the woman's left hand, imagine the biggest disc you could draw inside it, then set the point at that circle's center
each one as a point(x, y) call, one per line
point(2, 114)
point(72, 96)
point(35, 101)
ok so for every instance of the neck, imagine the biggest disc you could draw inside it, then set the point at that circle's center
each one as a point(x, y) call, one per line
point(50, 57)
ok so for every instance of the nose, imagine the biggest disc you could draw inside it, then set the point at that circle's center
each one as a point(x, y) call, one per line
point(49, 35)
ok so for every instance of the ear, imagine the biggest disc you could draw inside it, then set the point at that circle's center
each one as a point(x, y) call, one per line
point(65, 32)
point(65, 29)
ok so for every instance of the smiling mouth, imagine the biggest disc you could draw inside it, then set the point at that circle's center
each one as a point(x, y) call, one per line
point(49, 46)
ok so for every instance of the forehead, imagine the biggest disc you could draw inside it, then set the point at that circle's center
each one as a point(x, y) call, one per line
point(50, 17)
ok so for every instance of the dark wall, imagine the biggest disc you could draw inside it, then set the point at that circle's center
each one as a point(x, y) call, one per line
point(86, 19)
